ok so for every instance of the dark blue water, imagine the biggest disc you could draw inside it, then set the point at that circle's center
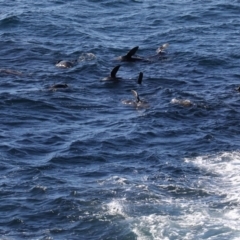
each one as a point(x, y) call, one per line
point(77, 163)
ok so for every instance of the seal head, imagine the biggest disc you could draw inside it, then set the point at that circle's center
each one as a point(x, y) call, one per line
point(64, 64)
point(161, 49)
point(160, 52)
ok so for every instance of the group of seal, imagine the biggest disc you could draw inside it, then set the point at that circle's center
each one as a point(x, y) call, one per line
point(129, 57)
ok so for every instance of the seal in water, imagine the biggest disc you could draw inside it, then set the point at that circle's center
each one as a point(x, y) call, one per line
point(10, 71)
point(140, 77)
point(238, 89)
point(160, 51)
point(58, 86)
point(138, 103)
point(112, 76)
point(65, 64)
point(183, 102)
point(128, 57)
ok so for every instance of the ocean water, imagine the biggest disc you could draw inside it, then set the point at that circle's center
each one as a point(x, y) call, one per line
point(78, 163)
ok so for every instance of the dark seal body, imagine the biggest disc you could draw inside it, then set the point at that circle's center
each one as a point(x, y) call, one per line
point(55, 87)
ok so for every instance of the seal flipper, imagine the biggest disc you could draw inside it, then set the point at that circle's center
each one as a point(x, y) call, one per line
point(114, 71)
point(140, 77)
point(131, 53)
point(136, 95)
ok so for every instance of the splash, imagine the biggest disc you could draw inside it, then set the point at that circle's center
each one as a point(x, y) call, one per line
point(116, 207)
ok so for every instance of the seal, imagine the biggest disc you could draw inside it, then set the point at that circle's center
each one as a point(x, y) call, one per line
point(160, 51)
point(112, 76)
point(129, 56)
point(183, 102)
point(10, 71)
point(136, 96)
point(140, 77)
point(138, 103)
point(58, 86)
point(65, 64)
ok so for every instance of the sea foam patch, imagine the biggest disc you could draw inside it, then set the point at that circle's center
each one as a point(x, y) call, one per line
point(116, 207)
point(224, 168)
point(223, 179)
point(212, 215)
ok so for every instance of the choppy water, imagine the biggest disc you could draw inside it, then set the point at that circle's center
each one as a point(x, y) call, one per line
point(77, 163)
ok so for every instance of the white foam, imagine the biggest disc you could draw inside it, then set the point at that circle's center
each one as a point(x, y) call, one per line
point(150, 227)
point(232, 219)
point(198, 224)
point(226, 167)
point(116, 207)
point(224, 180)
point(215, 215)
